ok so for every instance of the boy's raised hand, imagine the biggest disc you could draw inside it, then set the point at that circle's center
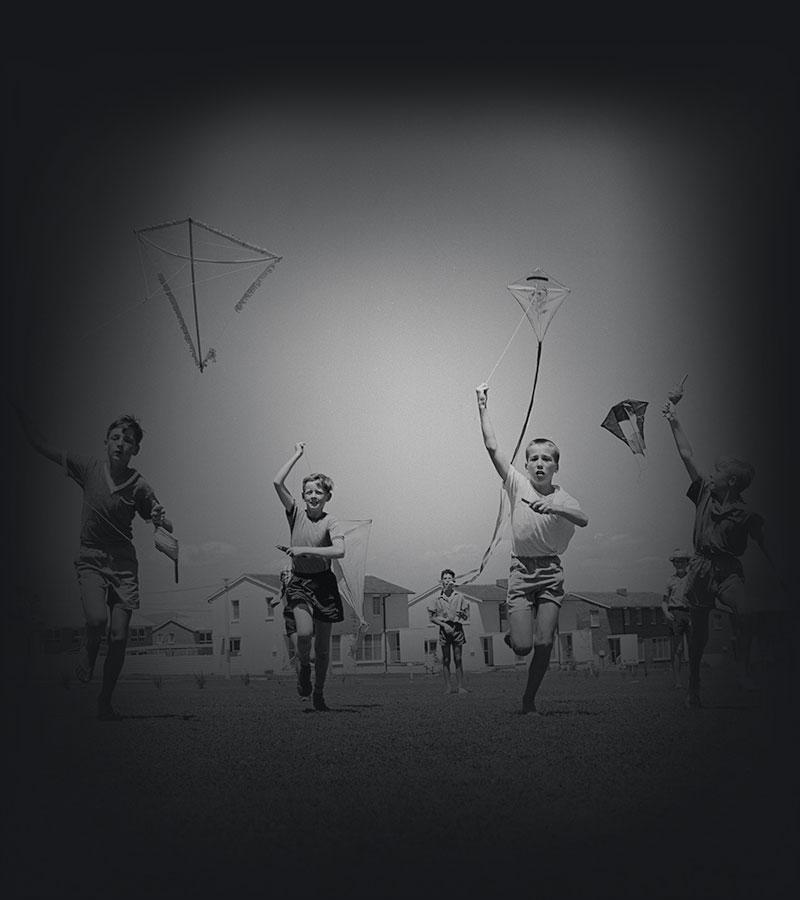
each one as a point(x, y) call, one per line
point(299, 447)
point(481, 391)
point(668, 411)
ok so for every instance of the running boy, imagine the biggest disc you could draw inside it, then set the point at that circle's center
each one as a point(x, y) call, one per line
point(722, 526)
point(107, 567)
point(313, 603)
point(450, 610)
point(675, 607)
point(543, 520)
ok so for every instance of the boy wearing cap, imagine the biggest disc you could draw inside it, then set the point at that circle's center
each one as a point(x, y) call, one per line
point(675, 605)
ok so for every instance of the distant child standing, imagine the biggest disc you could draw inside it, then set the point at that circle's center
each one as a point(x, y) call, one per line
point(675, 606)
point(313, 602)
point(723, 524)
point(543, 520)
point(450, 611)
point(107, 567)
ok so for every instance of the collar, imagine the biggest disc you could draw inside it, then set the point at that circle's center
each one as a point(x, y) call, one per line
point(112, 485)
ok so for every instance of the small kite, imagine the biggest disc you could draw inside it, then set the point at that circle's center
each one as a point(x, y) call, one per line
point(188, 258)
point(625, 420)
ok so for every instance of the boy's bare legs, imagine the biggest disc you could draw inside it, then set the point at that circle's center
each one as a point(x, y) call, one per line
point(95, 612)
point(544, 631)
point(457, 655)
point(322, 652)
point(303, 638)
point(698, 638)
point(520, 631)
point(446, 667)
point(115, 659)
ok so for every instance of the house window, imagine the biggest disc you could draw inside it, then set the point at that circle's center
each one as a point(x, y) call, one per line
point(236, 646)
point(77, 638)
point(393, 642)
point(641, 650)
point(503, 610)
point(639, 616)
point(594, 618)
point(653, 614)
point(430, 648)
point(377, 606)
point(203, 637)
point(371, 649)
point(626, 617)
point(336, 648)
point(661, 649)
point(234, 610)
point(137, 634)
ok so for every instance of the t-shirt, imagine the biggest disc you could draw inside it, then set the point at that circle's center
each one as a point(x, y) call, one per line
point(533, 533)
point(108, 508)
point(719, 527)
point(307, 532)
point(453, 609)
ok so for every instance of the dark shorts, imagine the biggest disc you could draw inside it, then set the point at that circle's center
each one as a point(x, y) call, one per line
point(456, 639)
point(716, 582)
point(110, 576)
point(318, 594)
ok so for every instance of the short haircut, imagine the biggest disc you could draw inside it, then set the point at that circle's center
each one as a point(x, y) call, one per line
point(742, 471)
point(447, 572)
point(127, 421)
point(327, 484)
point(535, 441)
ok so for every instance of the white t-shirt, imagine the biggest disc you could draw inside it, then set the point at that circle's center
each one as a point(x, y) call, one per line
point(533, 533)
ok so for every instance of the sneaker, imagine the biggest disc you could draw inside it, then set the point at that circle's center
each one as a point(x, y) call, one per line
point(304, 687)
point(319, 703)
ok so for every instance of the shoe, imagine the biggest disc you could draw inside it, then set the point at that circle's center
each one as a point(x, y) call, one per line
point(693, 700)
point(319, 703)
point(304, 687)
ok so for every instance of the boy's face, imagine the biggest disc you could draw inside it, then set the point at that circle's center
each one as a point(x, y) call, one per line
point(680, 566)
point(541, 465)
point(121, 445)
point(315, 496)
point(447, 582)
point(721, 481)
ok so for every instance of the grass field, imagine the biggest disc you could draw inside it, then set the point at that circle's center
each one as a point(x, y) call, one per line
point(240, 789)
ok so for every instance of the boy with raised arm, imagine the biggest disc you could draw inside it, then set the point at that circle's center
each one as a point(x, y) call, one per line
point(313, 602)
point(106, 564)
point(723, 524)
point(543, 520)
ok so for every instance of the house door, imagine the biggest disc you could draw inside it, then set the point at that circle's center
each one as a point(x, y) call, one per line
point(488, 651)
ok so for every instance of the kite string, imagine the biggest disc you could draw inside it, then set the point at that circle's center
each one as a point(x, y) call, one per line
point(514, 334)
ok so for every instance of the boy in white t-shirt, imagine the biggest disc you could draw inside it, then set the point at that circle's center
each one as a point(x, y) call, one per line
point(543, 520)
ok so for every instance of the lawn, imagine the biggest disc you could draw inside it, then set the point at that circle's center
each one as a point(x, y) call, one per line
point(238, 789)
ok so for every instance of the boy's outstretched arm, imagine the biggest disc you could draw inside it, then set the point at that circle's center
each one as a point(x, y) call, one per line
point(681, 441)
point(499, 460)
point(35, 437)
point(278, 481)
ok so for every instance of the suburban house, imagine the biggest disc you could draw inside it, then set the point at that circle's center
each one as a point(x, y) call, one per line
point(249, 635)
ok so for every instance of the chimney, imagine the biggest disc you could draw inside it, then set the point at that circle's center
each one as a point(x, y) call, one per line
point(623, 592)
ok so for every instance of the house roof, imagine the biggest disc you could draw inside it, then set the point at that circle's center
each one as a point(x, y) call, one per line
point(372, 585)
point(182, 623)
point(616, 600)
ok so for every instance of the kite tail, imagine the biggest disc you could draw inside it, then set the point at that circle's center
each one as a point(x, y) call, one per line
point(179, 315)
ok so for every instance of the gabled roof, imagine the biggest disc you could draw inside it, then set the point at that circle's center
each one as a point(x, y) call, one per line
point(374, 585)
point(181, 624)
point(615, 600)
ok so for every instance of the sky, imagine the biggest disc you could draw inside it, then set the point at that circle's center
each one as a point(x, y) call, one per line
point(402, 198)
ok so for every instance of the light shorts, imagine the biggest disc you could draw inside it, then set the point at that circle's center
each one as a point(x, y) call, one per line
point(112, 575)
point(679, 626)
point(533, 580)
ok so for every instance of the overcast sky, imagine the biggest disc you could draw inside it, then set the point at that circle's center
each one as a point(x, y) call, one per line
point(402, 200)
